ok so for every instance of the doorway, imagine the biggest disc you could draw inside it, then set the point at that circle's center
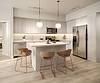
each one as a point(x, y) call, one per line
point(3, 56)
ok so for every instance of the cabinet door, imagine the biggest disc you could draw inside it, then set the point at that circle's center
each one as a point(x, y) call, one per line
point(42, 30)
point(63, 29)
point(18, 45)
point(28, 25)
point(51, 24)
point(18, 25)
point(23, 25)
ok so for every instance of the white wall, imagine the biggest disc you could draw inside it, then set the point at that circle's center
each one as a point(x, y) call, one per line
point(6, 15)
point(86, 16)
point(98, 36)
point(70, 25)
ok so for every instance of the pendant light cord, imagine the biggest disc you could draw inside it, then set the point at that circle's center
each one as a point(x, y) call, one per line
point(58, 9)
point(58, 25)
point(39, 23)
point(39, 10)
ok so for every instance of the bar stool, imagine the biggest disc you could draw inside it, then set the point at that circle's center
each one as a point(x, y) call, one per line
point(23, 53)
point(47, 56)
point(64, 54)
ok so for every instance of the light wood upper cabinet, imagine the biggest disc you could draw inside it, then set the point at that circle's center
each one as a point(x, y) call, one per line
point(26, 25)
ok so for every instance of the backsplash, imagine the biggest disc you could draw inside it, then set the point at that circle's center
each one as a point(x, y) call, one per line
point(42, 36)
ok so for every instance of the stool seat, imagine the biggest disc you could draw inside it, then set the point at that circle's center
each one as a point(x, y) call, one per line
point(23, 53)
point(65, 53)
point(47, 56)
point(22, 50)
point(26, 52)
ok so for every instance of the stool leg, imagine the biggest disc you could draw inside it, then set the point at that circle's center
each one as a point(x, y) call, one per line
point(16, 64)
point(65, 65)
point(42, 76)
point(26, 63)
point(57, 63)
point(51, 60)
point(71, 63)
point(21, 62)
point(30, 61)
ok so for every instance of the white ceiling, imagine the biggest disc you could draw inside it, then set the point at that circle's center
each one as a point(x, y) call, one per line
point(50, 6)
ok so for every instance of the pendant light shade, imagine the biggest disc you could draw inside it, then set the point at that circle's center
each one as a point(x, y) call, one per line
point(58, 25)
point(39, 24)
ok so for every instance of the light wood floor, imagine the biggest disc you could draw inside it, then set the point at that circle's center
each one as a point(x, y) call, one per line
point(85, 72)
point(3, 57)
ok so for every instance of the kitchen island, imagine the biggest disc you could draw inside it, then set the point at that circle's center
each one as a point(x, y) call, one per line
point(43, 47)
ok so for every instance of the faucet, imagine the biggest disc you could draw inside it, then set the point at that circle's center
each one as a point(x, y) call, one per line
point(48, 41)
point(24, 37)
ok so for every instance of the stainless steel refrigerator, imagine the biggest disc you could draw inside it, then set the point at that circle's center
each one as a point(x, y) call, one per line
point(80, 41)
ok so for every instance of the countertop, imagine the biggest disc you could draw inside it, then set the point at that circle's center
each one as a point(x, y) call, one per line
point(27, 41)
point(45, 44)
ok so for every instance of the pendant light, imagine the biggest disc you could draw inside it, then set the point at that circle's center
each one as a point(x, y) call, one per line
point(58, 24)
point(39, 23)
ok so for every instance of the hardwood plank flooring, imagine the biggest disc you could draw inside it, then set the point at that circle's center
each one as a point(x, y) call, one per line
point(3, 57)
point(85, 72)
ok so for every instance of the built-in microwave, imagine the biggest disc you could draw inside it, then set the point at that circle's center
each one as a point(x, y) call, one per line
point(51, 30)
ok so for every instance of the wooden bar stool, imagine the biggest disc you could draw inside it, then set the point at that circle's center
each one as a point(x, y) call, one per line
point(64, 54)
point(23, 53)
point(47, 56)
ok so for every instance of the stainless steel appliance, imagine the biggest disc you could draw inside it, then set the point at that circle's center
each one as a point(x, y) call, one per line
point(51, 30)
point(80, 41)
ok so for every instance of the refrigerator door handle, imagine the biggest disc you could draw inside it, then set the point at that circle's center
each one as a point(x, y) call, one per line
point(78, 38)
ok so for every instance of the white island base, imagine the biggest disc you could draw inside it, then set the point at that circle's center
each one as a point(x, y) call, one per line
point(43, 47)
